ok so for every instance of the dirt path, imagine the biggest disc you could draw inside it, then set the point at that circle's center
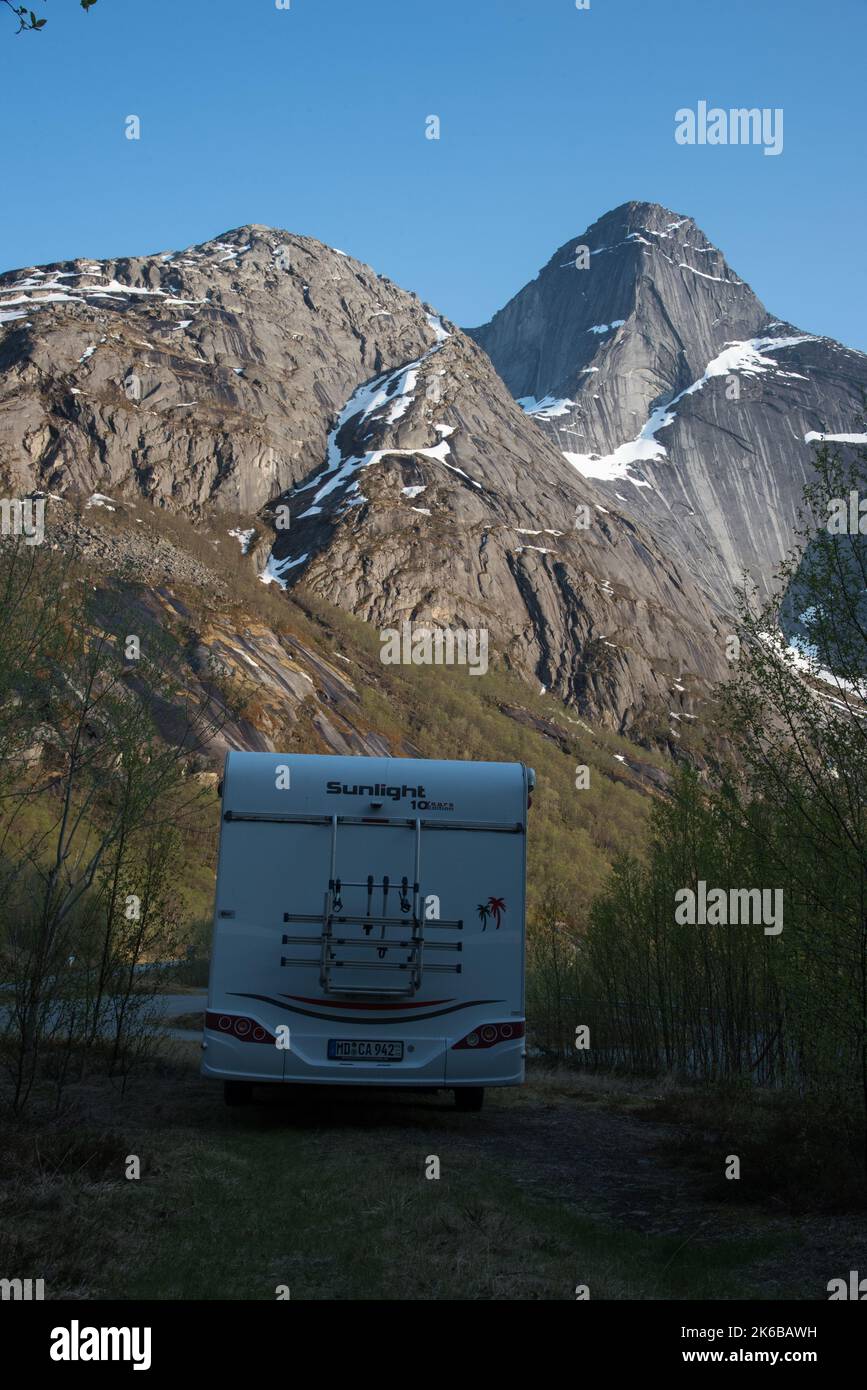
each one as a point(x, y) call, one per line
point(593, 1148)
point(605, 1162)
point(568, 1178)
point(597, 1153)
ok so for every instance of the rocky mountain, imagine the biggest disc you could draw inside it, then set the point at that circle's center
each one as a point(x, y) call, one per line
point(667, 384)
point(201, 379)
point(263, 369)
point(439, 501)
point(584, 478)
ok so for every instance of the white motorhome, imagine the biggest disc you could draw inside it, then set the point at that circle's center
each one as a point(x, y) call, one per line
point(369, 924)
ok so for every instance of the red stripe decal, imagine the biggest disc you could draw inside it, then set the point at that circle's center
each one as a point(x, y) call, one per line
point(343, 1004)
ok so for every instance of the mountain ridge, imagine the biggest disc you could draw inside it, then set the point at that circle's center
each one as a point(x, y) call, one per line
point(261, 372)
point(666, 323)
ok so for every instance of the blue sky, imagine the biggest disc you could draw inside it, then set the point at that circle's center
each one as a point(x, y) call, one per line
point(313, 118)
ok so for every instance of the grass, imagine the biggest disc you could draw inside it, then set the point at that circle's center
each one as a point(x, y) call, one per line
point(802, 1153)
point(327, 1194)
point(194, 1020)
point(367, 1224)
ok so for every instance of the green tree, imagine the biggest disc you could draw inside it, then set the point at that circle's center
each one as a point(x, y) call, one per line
point(788, 811)
point(107, 690)
point(797, 710)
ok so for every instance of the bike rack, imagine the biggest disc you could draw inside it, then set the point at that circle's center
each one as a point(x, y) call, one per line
point(410, 921)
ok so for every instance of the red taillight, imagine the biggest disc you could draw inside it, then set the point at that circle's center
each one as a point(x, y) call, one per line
point(490, 1034)
point(243, 1028)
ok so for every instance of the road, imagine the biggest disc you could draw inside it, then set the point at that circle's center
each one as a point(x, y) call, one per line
point(170, 1006)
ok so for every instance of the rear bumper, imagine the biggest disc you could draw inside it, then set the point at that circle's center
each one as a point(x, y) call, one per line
point(432, 1063)
point(373, 1083)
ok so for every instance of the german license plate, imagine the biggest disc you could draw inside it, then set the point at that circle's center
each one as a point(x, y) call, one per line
point(364, 1050)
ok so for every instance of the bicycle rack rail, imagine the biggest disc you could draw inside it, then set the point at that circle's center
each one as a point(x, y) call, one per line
point(409, 919)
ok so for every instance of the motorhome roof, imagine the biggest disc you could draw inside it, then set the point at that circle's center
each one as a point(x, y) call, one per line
point(327, 784)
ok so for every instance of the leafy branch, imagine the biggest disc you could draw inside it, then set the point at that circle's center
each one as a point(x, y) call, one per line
point(28, 22)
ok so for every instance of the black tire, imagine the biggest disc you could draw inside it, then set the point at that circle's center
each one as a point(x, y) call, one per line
point(469, 1098)
point(237, 1092)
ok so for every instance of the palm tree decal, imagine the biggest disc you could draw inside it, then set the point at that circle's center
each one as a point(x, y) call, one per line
point(483, 915)
point(496, 906)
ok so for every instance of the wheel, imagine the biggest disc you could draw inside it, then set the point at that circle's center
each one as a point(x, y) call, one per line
point(469, 1098)
point(237, 1092)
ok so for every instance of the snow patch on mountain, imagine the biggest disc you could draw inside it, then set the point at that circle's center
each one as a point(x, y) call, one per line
point(275, 569)
point(442, 333)
point(243, 537)
point(53, 292)
point(386, 398)
point(801, 656)
point(384, 401)
point(814, 435)
point(546, 408)
point(747, 358)
point(682, 265)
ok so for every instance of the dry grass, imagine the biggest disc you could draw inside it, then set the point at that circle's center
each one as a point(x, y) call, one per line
point(327, 1193)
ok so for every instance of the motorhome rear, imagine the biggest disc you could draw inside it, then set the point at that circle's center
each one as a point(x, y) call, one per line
point(369, 924)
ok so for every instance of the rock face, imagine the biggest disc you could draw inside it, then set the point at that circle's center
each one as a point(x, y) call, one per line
point(594, 531)
point(666, 382)
point(440, 502)
point(201, 379)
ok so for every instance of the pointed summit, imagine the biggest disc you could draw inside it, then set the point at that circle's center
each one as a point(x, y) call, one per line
point(665, 381)
point(639, 262)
